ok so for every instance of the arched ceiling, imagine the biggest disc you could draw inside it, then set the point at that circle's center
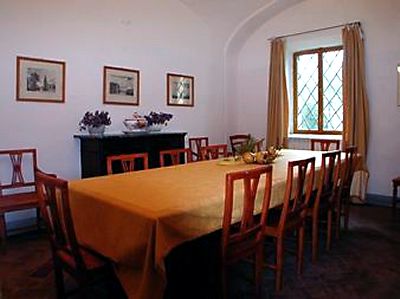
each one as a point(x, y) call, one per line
point(224, 15)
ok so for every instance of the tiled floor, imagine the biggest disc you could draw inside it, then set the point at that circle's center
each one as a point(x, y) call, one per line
point(364, 263)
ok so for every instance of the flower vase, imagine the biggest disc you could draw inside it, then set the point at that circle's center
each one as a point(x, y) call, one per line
point(96, 130)
point(155, 127)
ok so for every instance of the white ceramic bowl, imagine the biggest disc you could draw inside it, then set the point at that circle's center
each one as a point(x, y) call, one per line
point(135, 123)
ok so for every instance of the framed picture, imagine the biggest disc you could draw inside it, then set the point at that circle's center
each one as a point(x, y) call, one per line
point(121, 86)
point(180, 90)
point(40, 80)
point(398, 85)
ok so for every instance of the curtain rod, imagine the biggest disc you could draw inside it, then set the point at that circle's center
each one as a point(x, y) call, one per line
point(315, 30)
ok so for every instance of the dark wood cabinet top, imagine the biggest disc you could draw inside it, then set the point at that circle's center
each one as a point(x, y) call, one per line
point(127, 135)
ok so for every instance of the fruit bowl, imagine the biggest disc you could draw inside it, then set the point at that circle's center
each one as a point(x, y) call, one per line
point(133, 124)
point(261, 157)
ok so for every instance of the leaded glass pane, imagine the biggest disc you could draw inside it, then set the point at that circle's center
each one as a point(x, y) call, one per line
point(332, 91)
point(307, 92)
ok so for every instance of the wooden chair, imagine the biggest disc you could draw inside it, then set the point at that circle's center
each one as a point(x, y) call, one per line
point(395, 200)
point(324, 144)
point(214, 151)
point(20, 198)
point(84, 265)
point(237, 140)
point(195, 145)
point(127, 162)
point(245, 239)
point(293, 214)
point(175, 156)
point(347, 177)
point(325, 201)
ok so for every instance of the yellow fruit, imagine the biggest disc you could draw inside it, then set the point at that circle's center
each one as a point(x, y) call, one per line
point(260, 157)
point(248, 157)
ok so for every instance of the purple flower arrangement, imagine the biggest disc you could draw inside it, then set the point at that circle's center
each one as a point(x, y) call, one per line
point(95, 120)
point(160, 118)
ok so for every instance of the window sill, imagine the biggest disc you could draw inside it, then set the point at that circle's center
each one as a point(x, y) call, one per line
point(314, 136)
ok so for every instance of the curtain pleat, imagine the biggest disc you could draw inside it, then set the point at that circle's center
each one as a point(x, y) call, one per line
point(355, 104)
point(278, 106)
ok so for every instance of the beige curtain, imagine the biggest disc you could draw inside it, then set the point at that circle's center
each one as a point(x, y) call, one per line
point(278, 111)
point(355, 103)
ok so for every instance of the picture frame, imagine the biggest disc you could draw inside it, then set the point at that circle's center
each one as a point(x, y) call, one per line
point(121, 86)
point(398, 85)
point(180, 90)
point(40, 80)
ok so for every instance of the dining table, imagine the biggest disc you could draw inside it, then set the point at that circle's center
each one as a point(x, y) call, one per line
point(137, 218)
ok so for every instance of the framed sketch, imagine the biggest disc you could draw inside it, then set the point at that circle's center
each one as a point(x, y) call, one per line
point(180, 90)
point(121, 86)
point(398, 85)
point(40, 80)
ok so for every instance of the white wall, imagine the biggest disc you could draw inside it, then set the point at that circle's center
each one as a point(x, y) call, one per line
point(380, 21)
point(152, 36)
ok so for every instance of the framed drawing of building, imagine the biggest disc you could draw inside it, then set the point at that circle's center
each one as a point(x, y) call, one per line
point(40, 80)
point(121, 86)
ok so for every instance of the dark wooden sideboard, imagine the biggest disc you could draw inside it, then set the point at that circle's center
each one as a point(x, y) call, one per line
point(96, 148)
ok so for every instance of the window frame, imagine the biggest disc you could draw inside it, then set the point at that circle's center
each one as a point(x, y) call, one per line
point(318, 51)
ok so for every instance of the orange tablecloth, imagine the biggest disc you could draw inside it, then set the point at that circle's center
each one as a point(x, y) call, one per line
point(137, 218)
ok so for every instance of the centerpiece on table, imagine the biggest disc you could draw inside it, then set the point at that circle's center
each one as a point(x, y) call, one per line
point(157, 121)
point(249, 155)
point(95, 123)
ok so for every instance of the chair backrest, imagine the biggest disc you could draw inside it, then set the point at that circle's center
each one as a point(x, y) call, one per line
point(195, 144)
point(214, 151)
point(175, 157)
point(329, 175)
point(349, 167)
point(55, 210)
point(127, 162)
point(324, 144)
point(299, 186)
point(18, 175)
point(237, 140)
point(249, 228)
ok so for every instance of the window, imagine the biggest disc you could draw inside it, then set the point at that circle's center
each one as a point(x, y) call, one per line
point(318, 93)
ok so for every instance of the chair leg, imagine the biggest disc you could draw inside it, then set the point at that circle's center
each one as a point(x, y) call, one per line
point(347, 213)
point(279, 264)
point(329, 231)
point(258, 267)
point(300, 250)
point(337, 220)
point(3, 232)
point(59, 279)
point(315, 240)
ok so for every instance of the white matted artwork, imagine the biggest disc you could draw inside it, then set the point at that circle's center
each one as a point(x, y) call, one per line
point(121, 86)
point(180, 90)
point(398, 84)
point(40, 80)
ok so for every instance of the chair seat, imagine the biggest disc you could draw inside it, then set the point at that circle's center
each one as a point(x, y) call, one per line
point(272, 228)
point(20, 201)
point(90, 259)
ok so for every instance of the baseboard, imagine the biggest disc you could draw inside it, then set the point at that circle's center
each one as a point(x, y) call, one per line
point(379, 200)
